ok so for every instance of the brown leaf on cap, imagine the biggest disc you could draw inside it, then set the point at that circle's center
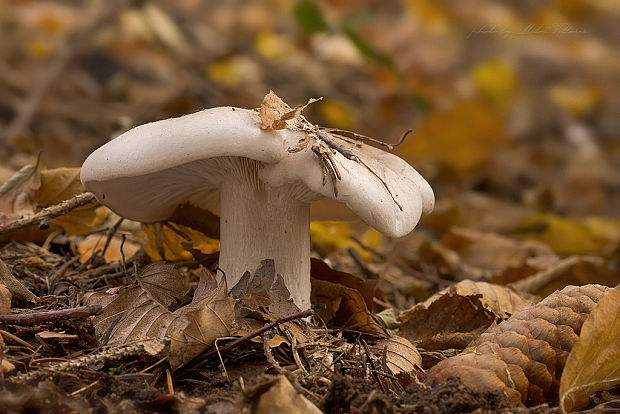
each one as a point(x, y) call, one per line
point(523, 357)
point(455, 316)
point(272, 109)
point(594, 363)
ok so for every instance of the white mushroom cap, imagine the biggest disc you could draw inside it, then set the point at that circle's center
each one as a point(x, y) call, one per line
point(222, 156)
point(148, 171)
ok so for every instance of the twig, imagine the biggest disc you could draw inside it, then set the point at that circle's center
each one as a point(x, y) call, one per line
point(17, 289)
point(245, 338)
point(108, 355)
point(44, 216)
point(37, 318)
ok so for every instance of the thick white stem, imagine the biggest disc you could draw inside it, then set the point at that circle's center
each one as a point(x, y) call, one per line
point(258, 222)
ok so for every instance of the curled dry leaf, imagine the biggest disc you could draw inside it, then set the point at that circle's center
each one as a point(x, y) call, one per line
point(594, 363)
point(281, 397)
point(455, 316)
point(401, 356)
point(341, 306)
point(142, 312)
point(174, 243)
point(523, 357)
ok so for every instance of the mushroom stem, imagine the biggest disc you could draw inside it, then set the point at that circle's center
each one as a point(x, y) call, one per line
point(259, 222)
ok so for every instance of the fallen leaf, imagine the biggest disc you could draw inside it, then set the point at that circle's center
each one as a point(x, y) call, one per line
point(456, 315)
point(142, 312)
point(93, 242)
point(281, 397)
point(571, 235)
point(174, 243)
point(400, 354)
point(594, 363)
point(16, 194)
point(340, 306)
point(459, 139)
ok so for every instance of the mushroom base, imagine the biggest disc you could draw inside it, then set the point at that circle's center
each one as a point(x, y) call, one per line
point(258, 222)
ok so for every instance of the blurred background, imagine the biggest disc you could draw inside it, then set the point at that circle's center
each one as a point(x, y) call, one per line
point(514, 105)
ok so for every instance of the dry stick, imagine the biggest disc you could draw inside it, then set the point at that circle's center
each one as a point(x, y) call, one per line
point(37, 318)
point(245, 338)
point(17, 289)
point(45, 215)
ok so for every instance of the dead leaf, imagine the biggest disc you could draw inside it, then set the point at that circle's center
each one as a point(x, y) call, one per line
point(575, 270)
point(142, 312)
point(175, 244)
point(16, 194)
point(271, 111)
point(93, 242)
point(281, 397)
point(340, 306)
point(594, 363)
point(456, 315)
point(401, 355)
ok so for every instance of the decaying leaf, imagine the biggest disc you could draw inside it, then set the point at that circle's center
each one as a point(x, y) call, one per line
point(92, 243)
point(455, 316)
point(274, 113)
point(174, 243)
point(594, 362)
point(142, 312)
point(341, 306)
point(523, 357)
point(281, 397)
point(16, 194)
point(400, 354)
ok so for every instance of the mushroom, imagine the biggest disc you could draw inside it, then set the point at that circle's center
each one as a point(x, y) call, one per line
point(266, 185)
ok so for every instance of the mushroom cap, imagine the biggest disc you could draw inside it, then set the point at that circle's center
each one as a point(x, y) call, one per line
point(145, 173)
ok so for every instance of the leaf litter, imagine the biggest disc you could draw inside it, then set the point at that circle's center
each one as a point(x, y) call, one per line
point(525, 171)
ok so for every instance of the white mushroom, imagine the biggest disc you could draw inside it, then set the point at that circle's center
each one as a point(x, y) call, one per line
point(262, 183)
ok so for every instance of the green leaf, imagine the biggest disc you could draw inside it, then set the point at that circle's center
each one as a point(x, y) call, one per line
point(367, 50)
point(309, 17)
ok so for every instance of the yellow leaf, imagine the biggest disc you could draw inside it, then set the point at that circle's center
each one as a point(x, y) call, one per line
point(594, 362)
point(338, 235)
point(91, 243)
point(272, 46)
point(173, 243)
point(336, 114)
point(459, 139)
point(223, 71)
point(39, 49)
point(495, 82)
point(571, 235)
point(576, 99)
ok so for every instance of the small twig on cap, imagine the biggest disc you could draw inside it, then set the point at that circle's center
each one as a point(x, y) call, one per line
point(45, 215)
point(37, 318)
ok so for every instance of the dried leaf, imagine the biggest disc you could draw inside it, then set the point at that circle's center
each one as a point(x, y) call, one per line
point(140, 313)
point(343, 307)
point(281, 397)
point(594, 363)
point(16, 194)
point(94, 242)
point(173, 242)
point(271, 111)
point(454, 316)
point(401, 355)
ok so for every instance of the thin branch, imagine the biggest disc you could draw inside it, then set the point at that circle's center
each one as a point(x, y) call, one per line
point(44, 216)
point(245, 338)
point(37, 318)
